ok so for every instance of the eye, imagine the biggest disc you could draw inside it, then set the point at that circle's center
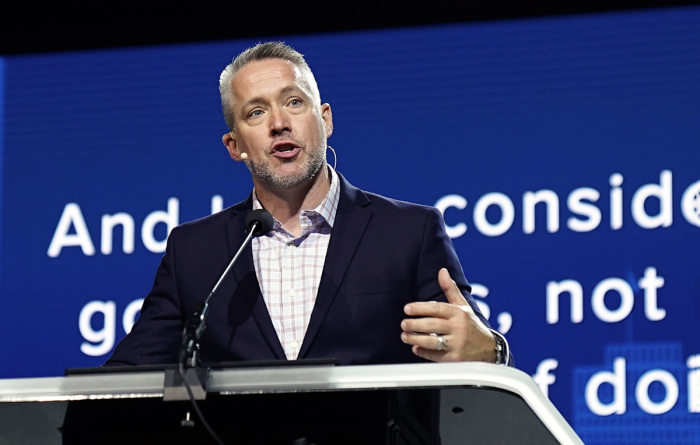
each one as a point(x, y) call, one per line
point(295, 102)
point(255, 113)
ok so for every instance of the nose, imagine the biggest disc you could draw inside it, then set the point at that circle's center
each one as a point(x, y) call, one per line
point(279, 121)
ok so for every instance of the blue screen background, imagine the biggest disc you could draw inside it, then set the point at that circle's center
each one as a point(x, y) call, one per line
point(487, 112)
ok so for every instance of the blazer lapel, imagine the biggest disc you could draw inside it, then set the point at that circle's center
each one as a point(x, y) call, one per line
point(244, 274)
point(350, 223)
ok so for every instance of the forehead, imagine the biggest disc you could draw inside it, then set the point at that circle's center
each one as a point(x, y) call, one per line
point(267, 76)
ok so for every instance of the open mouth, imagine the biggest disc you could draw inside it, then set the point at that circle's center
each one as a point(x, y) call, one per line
point(285, 150)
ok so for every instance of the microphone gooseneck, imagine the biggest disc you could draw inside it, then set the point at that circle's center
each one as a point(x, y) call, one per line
point(259, 222)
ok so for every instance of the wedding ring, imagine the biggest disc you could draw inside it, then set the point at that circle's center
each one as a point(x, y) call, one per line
point(441, 343)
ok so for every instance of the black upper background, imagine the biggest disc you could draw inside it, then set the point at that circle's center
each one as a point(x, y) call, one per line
point(27, 26)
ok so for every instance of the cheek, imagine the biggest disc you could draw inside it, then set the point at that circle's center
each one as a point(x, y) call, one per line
point(250, 140)
point(318, 129)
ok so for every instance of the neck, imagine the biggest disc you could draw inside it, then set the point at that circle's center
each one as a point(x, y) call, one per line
point(286, 204)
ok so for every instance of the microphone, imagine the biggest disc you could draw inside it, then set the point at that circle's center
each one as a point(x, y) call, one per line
point(259, 222)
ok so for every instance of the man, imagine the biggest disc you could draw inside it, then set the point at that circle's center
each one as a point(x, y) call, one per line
point(344, 274)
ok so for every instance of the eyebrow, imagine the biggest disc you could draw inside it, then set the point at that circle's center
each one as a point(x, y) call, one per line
point(286, 89)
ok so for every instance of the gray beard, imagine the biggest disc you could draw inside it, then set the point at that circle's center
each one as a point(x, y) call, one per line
point(266, 175)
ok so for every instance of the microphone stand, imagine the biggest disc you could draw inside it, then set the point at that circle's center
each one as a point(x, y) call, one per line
point(189, 352)
point(189, 372)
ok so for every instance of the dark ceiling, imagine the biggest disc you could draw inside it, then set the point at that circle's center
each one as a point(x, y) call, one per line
point(28, 27)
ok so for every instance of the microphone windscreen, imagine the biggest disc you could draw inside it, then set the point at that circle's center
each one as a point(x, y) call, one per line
point(262, 219)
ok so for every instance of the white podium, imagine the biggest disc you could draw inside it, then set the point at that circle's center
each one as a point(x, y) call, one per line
point(431, 403)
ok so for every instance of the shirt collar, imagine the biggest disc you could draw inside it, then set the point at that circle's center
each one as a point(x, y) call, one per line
point(328, 206)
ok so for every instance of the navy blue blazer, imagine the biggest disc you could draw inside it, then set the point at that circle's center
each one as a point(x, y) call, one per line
point(383, 253)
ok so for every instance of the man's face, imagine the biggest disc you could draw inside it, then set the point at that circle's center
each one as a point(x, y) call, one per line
point(279, 124)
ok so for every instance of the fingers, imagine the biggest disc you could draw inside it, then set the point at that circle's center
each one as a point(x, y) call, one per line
point(451, 327)
point(426, 341)
point(432, 347)
point(436, 316)
point(425, 325)
point(428, 309)
point(440, 310)
point(429, 354)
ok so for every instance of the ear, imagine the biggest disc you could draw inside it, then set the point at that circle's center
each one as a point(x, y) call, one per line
point(327, 116)
point(229, 140)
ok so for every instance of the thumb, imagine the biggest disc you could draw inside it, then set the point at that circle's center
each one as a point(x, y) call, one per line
point(449, 287)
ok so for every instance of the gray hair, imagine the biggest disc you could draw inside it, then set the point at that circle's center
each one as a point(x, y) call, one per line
point(261, 51)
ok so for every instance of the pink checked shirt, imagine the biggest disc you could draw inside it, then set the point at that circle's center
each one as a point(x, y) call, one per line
point(289, 269)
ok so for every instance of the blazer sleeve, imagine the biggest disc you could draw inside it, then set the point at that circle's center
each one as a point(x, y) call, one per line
point(437, 252)
point(156, 335)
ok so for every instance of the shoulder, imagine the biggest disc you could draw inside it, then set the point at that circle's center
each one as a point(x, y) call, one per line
point(214, 223)
point(398, 205)
point(377, 203)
